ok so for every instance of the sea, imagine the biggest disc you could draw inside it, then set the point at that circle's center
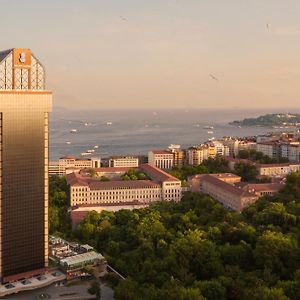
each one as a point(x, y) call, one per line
point(122, 132)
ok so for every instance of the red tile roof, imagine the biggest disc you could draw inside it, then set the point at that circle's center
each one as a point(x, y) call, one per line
point(157, 174)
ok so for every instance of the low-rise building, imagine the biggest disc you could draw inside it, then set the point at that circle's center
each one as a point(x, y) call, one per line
point(163, 159)
point(280, 169)
point(69, 164)
point(123, 161)
point(228, 189)
point(87, 190)
point(72, 258)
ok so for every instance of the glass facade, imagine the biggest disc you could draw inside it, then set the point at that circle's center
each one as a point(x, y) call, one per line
point(23, 168)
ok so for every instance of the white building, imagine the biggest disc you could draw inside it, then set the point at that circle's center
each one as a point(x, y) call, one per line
point(282, 169)
point(162, 159)
point(123, 161)
point(85, 190)
point(291, 151)
point(69, 164)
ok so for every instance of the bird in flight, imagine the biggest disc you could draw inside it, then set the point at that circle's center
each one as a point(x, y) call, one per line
point(213, 77)
point(123, 18)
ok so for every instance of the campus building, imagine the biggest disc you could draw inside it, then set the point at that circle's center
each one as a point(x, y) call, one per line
point(90, 193)
point(24, 108)
point(228, 189)
point(123, 161)
point(162, 159)
point(69, 164)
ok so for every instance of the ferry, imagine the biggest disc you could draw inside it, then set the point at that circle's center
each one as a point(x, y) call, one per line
point(73, 130)
point(85, 153)
point(174, 146)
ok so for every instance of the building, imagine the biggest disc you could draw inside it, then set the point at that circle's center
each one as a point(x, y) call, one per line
point(233, 161)
point(197, 154)
point(179, 155)
point(123, 161)
point(271, 149)
point(291, 151)
point(228, 189)
point(220, 148)
point(72, 258)
point(162, 159)
point(89, 193)
point(281, 169)
point(24, 108)
point(69, 164)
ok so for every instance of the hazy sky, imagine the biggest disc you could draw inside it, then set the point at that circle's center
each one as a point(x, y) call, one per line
point(162, 54)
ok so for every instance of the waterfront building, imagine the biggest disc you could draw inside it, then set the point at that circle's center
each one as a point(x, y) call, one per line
point(220, 148)
point(123, 161)
point(197, 154)
point(69, 164)
point(24, 108)
point(162, 159)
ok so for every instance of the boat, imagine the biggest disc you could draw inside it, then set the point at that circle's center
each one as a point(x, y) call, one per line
point(85, 153)
point(208, 127)
point(108, 123)
point(210, 132)
point(73, 130)
point(174, 146)
point(90, 151)
point(68, 143)
point(87, 124)
point(96, 146)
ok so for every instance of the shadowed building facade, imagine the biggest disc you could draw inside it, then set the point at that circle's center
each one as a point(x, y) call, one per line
point(24, 108)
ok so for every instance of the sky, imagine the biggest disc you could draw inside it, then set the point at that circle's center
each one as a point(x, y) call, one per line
point(136, 54)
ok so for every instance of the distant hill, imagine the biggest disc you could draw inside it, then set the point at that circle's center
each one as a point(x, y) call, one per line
point(270, 120)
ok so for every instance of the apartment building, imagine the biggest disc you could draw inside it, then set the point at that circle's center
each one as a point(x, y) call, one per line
point(162, 159)
point(271, 149)
point(123, 161)
point(291, 151)
point(69, 164)
point(220, 148)
point(197, 154)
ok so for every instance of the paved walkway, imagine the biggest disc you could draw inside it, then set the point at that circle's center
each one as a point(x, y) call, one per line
point(75, 292)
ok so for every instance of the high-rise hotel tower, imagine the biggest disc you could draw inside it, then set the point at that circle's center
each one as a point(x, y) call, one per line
point(24, 108)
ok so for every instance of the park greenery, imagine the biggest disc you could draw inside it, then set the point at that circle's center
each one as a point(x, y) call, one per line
point(196, 249)
point(259, 157)
point(59, 204)
point(270, 120)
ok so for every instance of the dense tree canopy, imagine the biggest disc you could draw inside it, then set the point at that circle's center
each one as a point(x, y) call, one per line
point(196, 249)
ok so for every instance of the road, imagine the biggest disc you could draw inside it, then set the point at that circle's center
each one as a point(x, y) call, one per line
point(75, 292)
